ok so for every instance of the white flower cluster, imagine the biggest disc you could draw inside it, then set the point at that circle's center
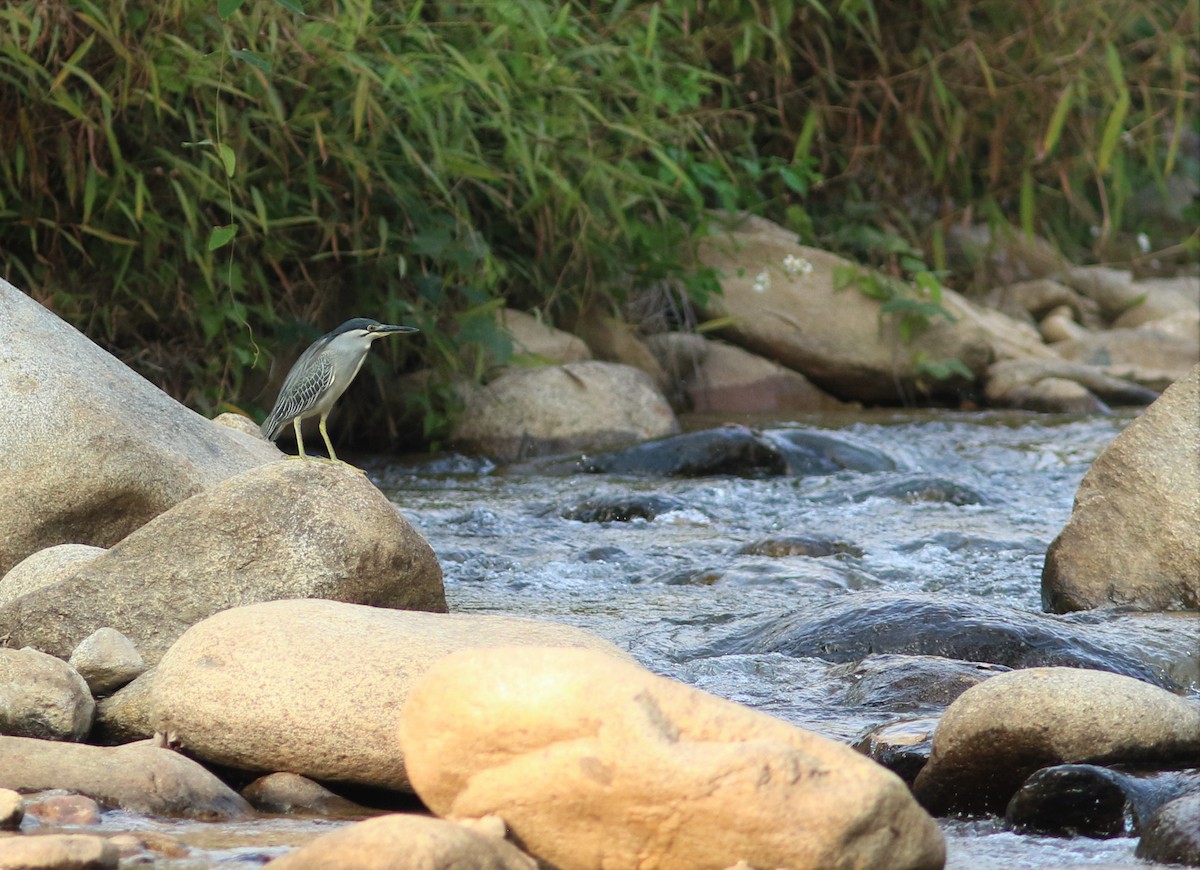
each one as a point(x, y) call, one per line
point(762, 281)
point(794, 265)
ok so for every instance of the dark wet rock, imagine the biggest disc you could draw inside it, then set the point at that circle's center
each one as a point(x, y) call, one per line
point(904, 683)
point(623, 508)
point(915, 488)
point(956, 542)
point(808, 451)
point(1001, 731)
point(603, 554)
point(966, 629)
point(1094, 801)
point(292, 793)
point(1172, 836)
point(798, 545)
point(732, 450)
point(902, 747)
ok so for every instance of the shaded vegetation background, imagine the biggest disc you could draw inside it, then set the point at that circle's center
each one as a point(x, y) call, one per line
point(204, 186)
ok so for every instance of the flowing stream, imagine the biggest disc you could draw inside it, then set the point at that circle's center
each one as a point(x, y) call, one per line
point(675, 589)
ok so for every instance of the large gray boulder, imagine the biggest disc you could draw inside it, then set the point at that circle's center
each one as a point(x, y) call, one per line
point(587, 405)
point(42, 696)
point(838, 338)
point(1133, 538)
point(290, 529)
point(136, 777)
point(67, 405)
point(316, 687)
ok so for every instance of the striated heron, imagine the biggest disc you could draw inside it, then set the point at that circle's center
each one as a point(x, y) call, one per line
point(322, 374)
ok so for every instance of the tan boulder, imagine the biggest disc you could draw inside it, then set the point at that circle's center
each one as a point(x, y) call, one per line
point(42, 696)
point(292, 793)
point(537, 341)
point(58, 852)
point(67, 405)
point(1032, 300)
point(290, 529)
point(595, 763)
point(717, 376)
point(616, 341)
point(1132, 538)
point(315, 687)
point(1160, 299)
point(107, 660)
point(45, 568)
point(1147, 355)
point(1000, 731)
point(406, 842)
point(138, 777)
point(1059, 325)
point(12, 810)
point(125, 716)
point(586, 405)
point(1059, 386)
point(838, 338)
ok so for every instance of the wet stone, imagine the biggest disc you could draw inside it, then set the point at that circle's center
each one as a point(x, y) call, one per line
point(965, 629)
point(811, 452)
point(67, 809)
point(905, 684)
point(623, 508)
point(1172, 836)
point(58, 852)
point(731, 450)
point(919, 488)
point(292, 793)
point(798, 545)
point(902, 747)
point(1094, 801)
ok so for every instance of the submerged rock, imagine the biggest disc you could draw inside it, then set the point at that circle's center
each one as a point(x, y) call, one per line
point(732, 450)
point(1172, 836)
point(902, 747)
point(290, 529)
point(798, 545)
point(623, 508)
point(1085, 799)
point(904, 683)
point(137, 777)
point(916, 488)
point(965, 629)
point(1133, 537)
point(315, 687)
point(596, 762)
point(424, 843)
point(42, 696)
point(999, 732)
point(67, 405)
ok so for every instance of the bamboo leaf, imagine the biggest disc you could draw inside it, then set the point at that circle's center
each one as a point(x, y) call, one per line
point(1057, 120)
point(226, 8)
point(228, 159)
point(253, 58)
point(221, 236)
point(1112, 132)
point(292, 6)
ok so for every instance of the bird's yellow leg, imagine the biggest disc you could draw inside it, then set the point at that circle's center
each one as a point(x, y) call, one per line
point(299, 438)
point(328, 443)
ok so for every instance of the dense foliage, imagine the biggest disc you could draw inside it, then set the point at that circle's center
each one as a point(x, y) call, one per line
point(195, 181)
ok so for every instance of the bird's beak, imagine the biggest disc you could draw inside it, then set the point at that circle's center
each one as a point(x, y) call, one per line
point(387, 329)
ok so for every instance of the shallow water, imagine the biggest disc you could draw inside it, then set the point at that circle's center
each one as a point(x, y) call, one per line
point(672, 589)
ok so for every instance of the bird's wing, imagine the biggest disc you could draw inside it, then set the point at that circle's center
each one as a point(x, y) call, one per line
point(301, 390)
